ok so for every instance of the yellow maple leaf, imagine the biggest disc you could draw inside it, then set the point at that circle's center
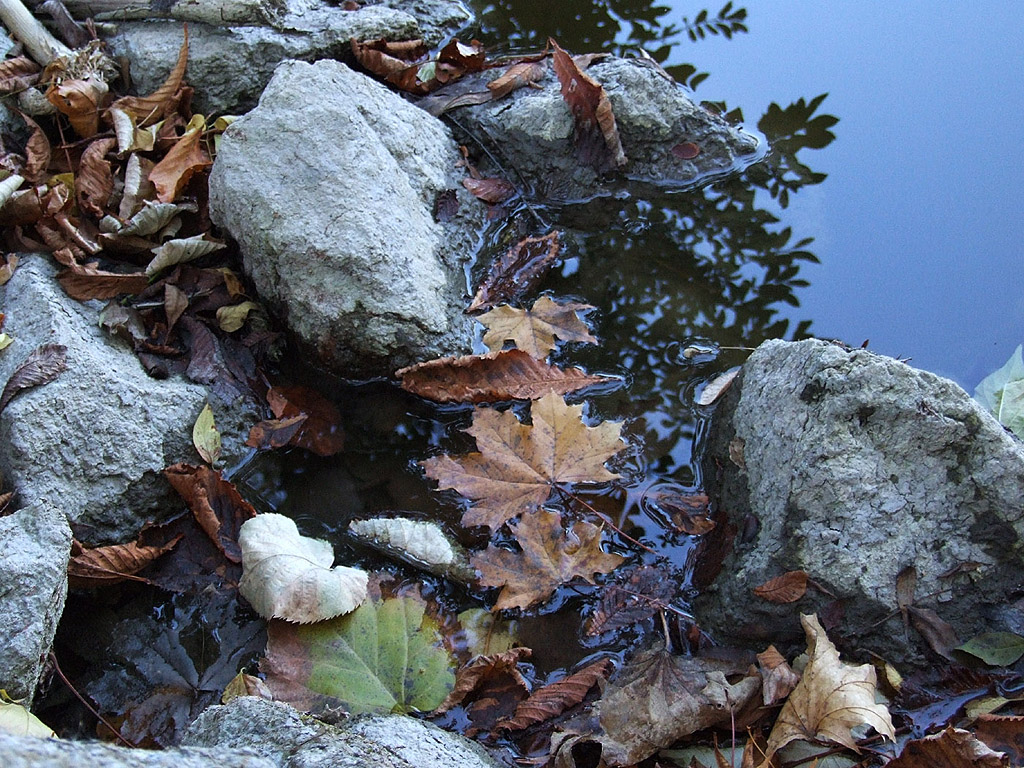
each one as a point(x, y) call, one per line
point(534, 330)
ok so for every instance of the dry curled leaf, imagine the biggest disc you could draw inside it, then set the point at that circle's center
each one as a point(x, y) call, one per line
point(518, 271)
point(37, 152)
point(715, 388)
point(518, 465)
point(516, 76)
point(551, 556)
point(321, 431)
point(44, 364)
point(81, 101)
point(534, 330)
point(177, 167)
point(481, 671)
point(778, 677)
point(506, 375)
point(555, 698)
point(103, 566)
point(94, 182)
point(87, 282)
point(953, 748)
point(150, 109)
point(787, 588)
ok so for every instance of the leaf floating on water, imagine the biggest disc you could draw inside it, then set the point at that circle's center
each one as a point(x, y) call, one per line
point(556, 698)
point(275, 433)
point(321, 432)
point(534, 330)
point(507, 375)
point(44, 364)
point(518, 465)
point(997, 649)
point(715, 388)
point(787, 588)
point(419, 539)
point(205, 436)
point(289, 576)
point(103, 566)
point(518, 271)
point(483, 670)
point(648, 590)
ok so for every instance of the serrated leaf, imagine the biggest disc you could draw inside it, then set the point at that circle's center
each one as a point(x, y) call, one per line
point(534, 330)
point(289, 576)
point(998, 649)
point(952, 748)
point(180, 251)
point(787, 588)
point(420, 540)
point(383, 657)
point(648, 589)
point(44, 364)
point(112, 564)
point(205, 436)
point(555, 698)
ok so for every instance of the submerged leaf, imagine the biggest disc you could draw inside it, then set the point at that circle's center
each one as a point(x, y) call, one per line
point(321, 431)
point(534, 330)
point(289, 576)
point(44, 364)
point(518, 271)
point(648, 590)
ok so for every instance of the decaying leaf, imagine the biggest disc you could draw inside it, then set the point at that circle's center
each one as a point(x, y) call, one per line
point(597, 135)
point(1004, 733)
point(383, 657)
point(648, 590)
point(87, 282)
point(205, 436)
point(831, 698)
point(10, 263)
point(81, 101)
point(289, 576)
point(482, 670)
point(149, 109)
point(534, 330)
point(321, 431)
point(938, 633)
point(44, 364)
point(215, 503)
point(420, 540)
point(686, 150)
point(787, 588)
point(953, 748)
point(179, 251)
point(489, 190)
point(275, 433)
point(518, 271)
point(244, 684)
point(94, 182)
point(551, 555)
point(509, 374)
point(778, 678)
point(37, 151)
point(555, 698)
point(484, 633)
point(519, 465)
point(687, 511)
point(103, 566)
point(715, 388)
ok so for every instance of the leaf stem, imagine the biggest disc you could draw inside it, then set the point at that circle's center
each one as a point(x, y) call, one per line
point(573, 497)
point(86, 704)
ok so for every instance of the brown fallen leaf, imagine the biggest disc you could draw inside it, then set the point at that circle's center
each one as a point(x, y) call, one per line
point(953, 748)
point(831, 698)
point(515, 77)
point(597, 136)
point(17, 74)
point(1004, 733)
point(687, 150)
point(688, 513)
point(275, 433)
point(216, 504)
point(37, 152)
point(534, 330)
point(518, 271)
point(94, 181)
point(150, 109)
point(186, 158)
point(321, 431)
point(489, 190)
point(551, 556)
point(81, 101)
point(10, 263)
point(44, 364)
point(715, 388)
point(906, 585)
point(518, 465)
point(481, 672)
point(938, 633)
point(648, 590)
point(104, 566)
point(84, 282)
point(555, 698)
point(787, 588)
point(510, 374)
point(778, 677)
point(397, 62)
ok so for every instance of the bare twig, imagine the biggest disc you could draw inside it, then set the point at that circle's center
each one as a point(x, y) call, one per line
point(29, 31)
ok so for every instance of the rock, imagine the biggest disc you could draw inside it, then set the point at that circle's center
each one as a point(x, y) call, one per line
point(33, 752)
point(98, 437)
point(283, 736)
point(329, 187)
point(231, 62)
point(33, 584)
point(855, 467)
point(531, 131)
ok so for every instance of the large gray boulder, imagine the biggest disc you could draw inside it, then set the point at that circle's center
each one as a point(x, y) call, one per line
point(33, 584)
point(234, 46)
point(286, 738)
point(330, 186)
point(97, 438)
point(34, 752)
point(531, 132)
point(852, 467)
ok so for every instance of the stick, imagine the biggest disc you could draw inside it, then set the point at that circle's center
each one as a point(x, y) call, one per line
point(29, 31)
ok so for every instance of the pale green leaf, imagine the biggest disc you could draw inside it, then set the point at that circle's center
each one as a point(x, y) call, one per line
point(232, 317)
point(179, 251)
point(205, 436)
point(17, 720)
point(1002, 393)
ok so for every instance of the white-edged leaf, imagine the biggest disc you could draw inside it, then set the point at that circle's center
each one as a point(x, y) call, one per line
point(179, 251)
point(289, 576)
point(9, 186)
point(124, 129)
point(417, 539)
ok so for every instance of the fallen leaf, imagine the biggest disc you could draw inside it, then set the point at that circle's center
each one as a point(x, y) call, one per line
point(519, 465)
point(94, 181)
point(482, 670)
point(149, 109)
point(551, 555)
point(687, 150)
point(831, 698)
point(81, 102)
point(1002, 393)
point(516, 76)
point(687, 512)
point(44, 364)
point(383, 657)
point(489, 190)
point(1004, 733)
point(86, 282)
point(997, 649)
point(446, 205)
point(597, 136)
point(778, 678)
point(518, 271)
point(17, 74)
point(215, 503)
point(151, 218)
point(205, 436)
point(715, 388)
point(244, 684)
point(175, 304)
point(103, 566)
point(509, 374)
point(180, 251)
point(787, 588)
point(289, 576)
point(396, 62)
point(940, 636)
point(555, 698)
point(16, 720)
point(534, 330)
point(648, 590)
point(231, 318)
point(37, 152)
point(321, 432)
point(906, 585)
point(275, 433)
point(10, 263)
point(485, 634)
point(953, 748)
point(185, 158)
point(420, 540)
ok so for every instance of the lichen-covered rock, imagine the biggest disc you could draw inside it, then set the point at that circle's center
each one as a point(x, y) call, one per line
point(852, 467)
point(330, 186)
point(532, 133)
point(231, 61)
point(33, 584)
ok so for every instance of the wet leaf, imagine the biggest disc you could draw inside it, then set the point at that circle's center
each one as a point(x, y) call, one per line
point(688, 513)
point(556, 698)
point(715, 388)
point(215, 503)
point(1004, 733)
point(551, 555)
point(289, 576)
point(321, 432)
point(484, 634)
point(177, 167)
point(180, 251)
point(515, 77)
point(149, 109)
point(648, 590)
point(383, 657)
point(94, 181)
point(16, 720)
point(778, 677)
point(510, 374)
point(953, 748)
point(687, 150)
point(787, 588)
point(275, 433)
point(231, 318)
point(519, 465)
point(205, 436)
point(421, 540)
point(831, 698)
point(87, 282)
point(998, 649)
point(103, 566)
point(81, 101)
point(1002, 393)
point(44, 364)
point(489, 190)
point(534, 330)
point(518, 271)
point(597, 136)
point(483, 671)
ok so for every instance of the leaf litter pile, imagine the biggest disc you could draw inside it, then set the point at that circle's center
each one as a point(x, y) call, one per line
point(115, 190)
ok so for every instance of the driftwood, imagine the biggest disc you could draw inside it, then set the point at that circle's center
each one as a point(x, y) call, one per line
point(215, 12)
point(29, 31)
